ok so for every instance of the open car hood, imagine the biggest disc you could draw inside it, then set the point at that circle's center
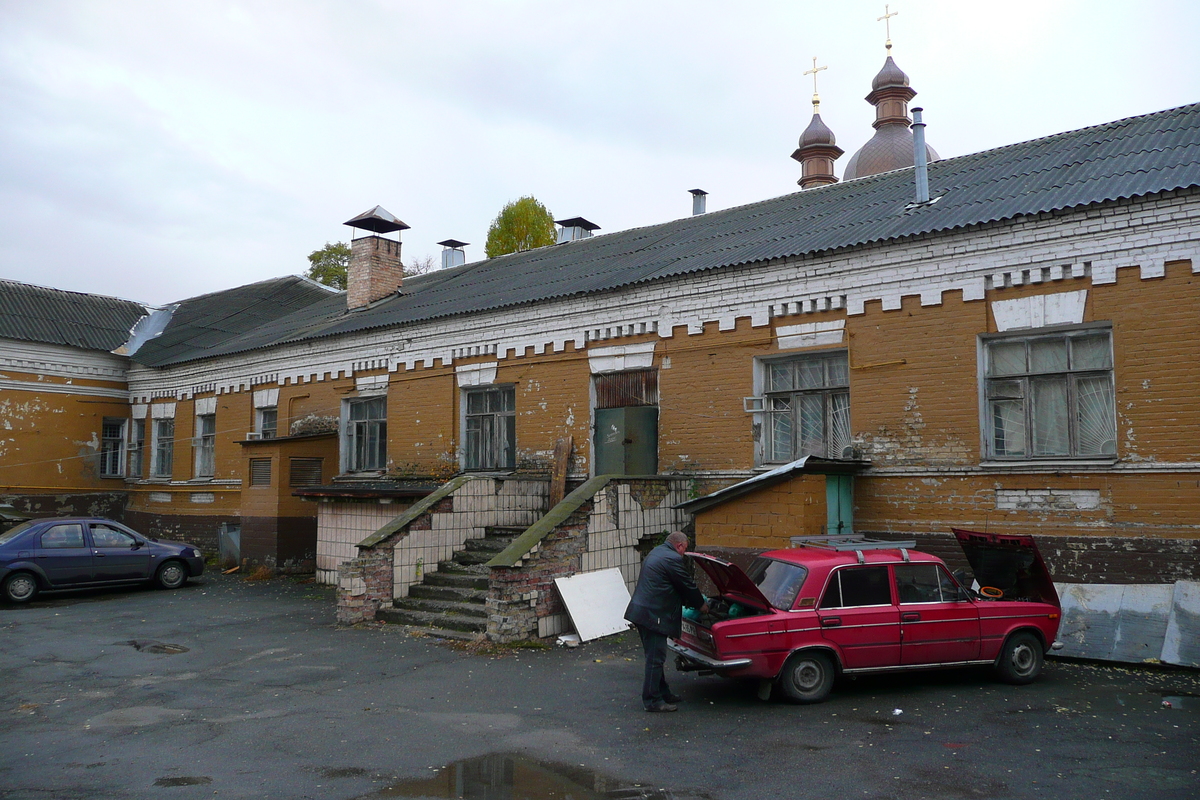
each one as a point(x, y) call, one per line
point(731, 581)
point(1008, 562)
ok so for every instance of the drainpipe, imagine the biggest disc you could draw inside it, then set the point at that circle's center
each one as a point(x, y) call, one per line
point(920, 160)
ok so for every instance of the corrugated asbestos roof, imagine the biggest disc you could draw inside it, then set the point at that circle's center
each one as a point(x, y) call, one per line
point(200, 325)
point(1127, 158)
point(53, 316)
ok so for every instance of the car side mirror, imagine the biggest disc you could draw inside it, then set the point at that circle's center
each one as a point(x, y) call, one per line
point(136, 545)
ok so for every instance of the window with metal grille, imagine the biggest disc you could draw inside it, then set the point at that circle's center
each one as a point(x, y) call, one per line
point(807, 407)
point(305, 471)
point(205, 444)
point(137, 445)
point(366, 434)
point(112, 442)
point(491, 423)
point(625, 389)
point(1050, 395)
point(260, 472)
point(164, 448)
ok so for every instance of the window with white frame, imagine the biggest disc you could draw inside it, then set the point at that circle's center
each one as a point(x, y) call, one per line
point(366, 434)
point(1050, 395)
point(162, 463)
point(112, 447)
point(267, 422)
point(491, 428)
point(205, 444)
point(806, 407)
point(137, 446)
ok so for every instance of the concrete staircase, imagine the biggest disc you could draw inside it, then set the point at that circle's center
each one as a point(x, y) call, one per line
point(452, 601)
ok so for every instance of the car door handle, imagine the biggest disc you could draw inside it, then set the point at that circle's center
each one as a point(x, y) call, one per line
point(831, 622)
point(910, 616)
point(98, 554)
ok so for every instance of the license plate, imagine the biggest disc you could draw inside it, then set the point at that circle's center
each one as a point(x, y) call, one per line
point(689, 629)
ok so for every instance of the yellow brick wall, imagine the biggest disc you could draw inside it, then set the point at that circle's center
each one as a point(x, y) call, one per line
point(766, 519)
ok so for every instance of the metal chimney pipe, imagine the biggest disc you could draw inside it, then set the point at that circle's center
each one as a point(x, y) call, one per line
point(920, 159)
point(698, 201)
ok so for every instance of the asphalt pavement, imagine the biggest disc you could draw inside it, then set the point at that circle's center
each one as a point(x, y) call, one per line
point(231, 688)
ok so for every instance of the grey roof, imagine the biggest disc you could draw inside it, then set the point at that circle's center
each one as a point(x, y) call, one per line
point(1128, 158)
point(200, 325)
point(53, 316)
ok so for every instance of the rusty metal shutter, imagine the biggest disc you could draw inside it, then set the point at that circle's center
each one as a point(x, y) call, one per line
point(260, 472)
point(625, 389)
point(305, 472)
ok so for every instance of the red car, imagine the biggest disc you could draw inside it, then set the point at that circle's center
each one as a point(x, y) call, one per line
point(843, 605)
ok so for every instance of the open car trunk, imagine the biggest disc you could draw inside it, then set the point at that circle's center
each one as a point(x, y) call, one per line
point(738, 596)
point(1008, 562)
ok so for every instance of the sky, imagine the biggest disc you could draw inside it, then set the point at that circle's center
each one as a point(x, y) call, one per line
point(165, 149)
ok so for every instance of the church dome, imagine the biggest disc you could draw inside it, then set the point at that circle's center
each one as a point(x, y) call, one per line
point(817, 132)
point(890, 75)
point(890, 148)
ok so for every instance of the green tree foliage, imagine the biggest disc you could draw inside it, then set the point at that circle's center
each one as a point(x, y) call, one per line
point(329, 264)
point(521, 225)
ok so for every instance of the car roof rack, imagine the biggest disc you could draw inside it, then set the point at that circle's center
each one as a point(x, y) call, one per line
point(853, 541)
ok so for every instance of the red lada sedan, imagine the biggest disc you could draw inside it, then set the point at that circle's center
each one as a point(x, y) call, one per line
point(847, 606)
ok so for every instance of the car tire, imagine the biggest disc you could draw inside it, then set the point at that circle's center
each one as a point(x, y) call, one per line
point(807, 677)
point(171, 575)
point(1021, 659)
point(20, 587)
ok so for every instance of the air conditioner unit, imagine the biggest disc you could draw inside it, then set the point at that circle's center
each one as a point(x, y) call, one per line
point(253, 435)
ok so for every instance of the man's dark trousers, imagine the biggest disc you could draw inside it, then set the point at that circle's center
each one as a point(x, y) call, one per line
point(654, 685)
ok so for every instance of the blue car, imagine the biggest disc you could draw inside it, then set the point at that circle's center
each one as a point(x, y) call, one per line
point(79, 552)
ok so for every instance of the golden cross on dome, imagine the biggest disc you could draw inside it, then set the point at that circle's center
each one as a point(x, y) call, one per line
point(815, 69)
point(886, 19)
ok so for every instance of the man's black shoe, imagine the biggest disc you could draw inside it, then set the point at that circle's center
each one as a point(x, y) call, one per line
point(662, 707)
point(672, 698)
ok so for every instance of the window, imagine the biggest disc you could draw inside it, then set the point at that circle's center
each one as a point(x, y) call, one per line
point(491, 433)
point(164, 448)
point(137, 444)
point(112, 442)
point(205, 444)
point(926, 583)
point(267, 422)
point(305, 472)
point(260, 472)
point(807, 407)
point(777, 580)
point(1050, 395)
point(106, 536)
point(61, 536)
point(858, 586)
point(366, 434)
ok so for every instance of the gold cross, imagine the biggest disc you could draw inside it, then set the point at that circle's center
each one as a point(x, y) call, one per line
point(814, 71)
point(886, 19)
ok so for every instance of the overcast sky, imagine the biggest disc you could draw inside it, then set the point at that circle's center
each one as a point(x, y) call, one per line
point(159, 150)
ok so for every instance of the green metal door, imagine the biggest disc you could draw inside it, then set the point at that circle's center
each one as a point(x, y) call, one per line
point(839, 503)
point(626, 441)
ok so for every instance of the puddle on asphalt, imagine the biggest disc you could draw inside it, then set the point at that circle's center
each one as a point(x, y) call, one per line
point(199, 780)
point(507, 777)
point(151, 646)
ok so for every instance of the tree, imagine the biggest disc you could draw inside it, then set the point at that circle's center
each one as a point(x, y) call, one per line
point(329, 264)
point(420, 266)
point(521, 225)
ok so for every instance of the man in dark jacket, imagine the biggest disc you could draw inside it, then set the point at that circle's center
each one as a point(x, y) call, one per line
point(664, 587)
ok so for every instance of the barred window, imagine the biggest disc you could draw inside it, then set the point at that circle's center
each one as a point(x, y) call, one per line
point(1050, 395)
point(807, 407)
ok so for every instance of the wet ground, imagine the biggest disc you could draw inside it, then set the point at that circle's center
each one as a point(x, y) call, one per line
point(229, 688)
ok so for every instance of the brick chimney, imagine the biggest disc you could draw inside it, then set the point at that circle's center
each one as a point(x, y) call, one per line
point(375, 271)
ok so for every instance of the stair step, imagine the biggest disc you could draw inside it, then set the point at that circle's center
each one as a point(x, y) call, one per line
point(441, 606)
point(458, 594)
point(473, 557)
point(426, 619)
point(491, 544)
point(505, 530)
point(457, 578)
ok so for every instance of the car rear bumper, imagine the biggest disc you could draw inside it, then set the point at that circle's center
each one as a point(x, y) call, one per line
point(702, 661)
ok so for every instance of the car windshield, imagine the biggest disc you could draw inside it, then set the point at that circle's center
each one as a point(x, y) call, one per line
point(13, 533)
point(779, 581)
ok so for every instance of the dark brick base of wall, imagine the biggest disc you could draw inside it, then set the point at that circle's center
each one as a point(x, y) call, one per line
point(91, 504)
point(1070, 559)
point(285, 544)
point(199, 531)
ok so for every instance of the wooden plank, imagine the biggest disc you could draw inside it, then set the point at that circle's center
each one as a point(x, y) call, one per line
point(562, 464)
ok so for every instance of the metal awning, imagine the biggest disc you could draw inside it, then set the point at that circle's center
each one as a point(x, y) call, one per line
point(813, 465)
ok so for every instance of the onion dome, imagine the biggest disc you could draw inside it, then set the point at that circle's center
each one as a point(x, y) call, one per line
point(892, 145)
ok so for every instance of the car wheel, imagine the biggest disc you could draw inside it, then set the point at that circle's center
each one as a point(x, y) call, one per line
point(1021, 660)
point(20, 587)
point(807, 677)
point(171, 575)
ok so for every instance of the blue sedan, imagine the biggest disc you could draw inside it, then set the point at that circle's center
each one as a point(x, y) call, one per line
point(79, 552)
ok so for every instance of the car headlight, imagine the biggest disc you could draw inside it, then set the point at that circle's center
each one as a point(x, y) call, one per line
point(195, 553)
